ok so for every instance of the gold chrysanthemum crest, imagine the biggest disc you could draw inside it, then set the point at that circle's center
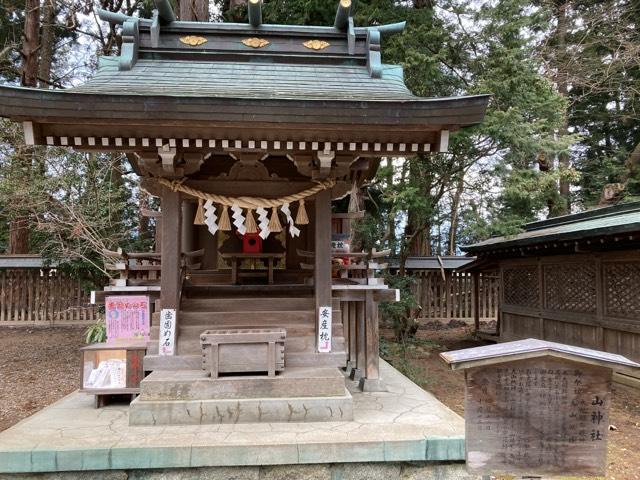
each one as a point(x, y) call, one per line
point(255, 42)
point(193, 40)
point(316, 44)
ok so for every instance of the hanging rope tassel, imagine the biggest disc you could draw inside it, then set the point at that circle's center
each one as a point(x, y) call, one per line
point(225, 223)
point(274, 222)
point(301, 217)
point(199, 218)
point(250, 222)
point(353, 199)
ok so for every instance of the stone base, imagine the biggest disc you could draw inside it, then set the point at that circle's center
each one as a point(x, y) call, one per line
point(343, 471)
point(372, 385)
point(404, 424)
point(198, 385)
point(246, 410)
point(355, 374)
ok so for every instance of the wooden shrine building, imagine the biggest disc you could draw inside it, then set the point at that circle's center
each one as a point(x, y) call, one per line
point(572, 279)
point(251, 130)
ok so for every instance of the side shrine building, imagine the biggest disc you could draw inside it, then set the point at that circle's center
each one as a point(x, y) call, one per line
point(247, 132)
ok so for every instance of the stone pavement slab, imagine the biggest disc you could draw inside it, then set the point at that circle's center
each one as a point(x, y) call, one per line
point(404, 424)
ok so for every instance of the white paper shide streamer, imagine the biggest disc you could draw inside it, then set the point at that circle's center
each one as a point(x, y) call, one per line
point(263, 222)
point(238, 219)
point(210, 217)
point(293, 230)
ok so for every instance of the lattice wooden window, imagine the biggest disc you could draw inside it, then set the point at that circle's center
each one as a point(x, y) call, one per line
point(570, 287)
point(521, 285)
point(622, 285)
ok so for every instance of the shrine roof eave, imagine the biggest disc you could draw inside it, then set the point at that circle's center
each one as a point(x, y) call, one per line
point(410, 117)
point(533, 348)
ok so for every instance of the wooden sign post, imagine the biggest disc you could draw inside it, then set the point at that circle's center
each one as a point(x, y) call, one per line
point(536, 408)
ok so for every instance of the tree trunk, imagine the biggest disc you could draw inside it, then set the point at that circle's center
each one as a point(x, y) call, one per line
point(193, 10)
point(47, 43)
point(455, 207)
point(30, 43)
point(19, 224)
point(562, 83)
point(143, 221)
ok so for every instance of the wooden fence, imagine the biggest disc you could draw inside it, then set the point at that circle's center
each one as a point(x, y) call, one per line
point(450, 296)
point(32, 296)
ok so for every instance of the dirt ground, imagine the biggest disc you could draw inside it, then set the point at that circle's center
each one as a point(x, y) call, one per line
point(37, 367)
point(40, 366)
point(426, 369)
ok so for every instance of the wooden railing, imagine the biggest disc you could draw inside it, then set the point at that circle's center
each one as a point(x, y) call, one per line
point(450, 296)
point(44, 298)
point(359, 310)
point(144, 268)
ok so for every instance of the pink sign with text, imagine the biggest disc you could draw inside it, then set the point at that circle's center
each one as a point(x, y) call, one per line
point(127, 318)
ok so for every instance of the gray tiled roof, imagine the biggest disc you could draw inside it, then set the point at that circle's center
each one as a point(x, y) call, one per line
point(531, 347)
point(247, 80)
point(605, 221)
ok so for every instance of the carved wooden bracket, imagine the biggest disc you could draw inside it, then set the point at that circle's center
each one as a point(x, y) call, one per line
point(168, 157)
point(323, 164)
point(169, 162)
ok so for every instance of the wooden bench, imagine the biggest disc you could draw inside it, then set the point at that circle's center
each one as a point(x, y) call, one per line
point(240, 350)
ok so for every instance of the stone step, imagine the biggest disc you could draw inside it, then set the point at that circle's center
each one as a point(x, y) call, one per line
point(293, 330)
point(251, 317)
point(248, 410)
point(255, 317)
point(247, 304)
point(310, 359)
point(291, 359)
point(198, 385)
point(253, 291)
point(307, 343)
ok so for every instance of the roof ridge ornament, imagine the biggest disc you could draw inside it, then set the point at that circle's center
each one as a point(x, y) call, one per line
point(130, 41)
point(316, 44)
point(255, 42)
point(254, 12)
point(342, 15)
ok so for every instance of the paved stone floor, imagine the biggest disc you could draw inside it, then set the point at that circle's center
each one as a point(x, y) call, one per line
point(404, 424)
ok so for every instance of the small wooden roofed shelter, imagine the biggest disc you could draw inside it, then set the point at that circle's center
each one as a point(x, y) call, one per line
point(246, 113)
point(572, 279)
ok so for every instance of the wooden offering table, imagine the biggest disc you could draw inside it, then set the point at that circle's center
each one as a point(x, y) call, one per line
point(237, 258)
point(536, 408)
point(112, 369)
point(241, 350)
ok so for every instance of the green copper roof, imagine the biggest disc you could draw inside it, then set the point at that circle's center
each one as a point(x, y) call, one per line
point(226, 79)
point(615, 220)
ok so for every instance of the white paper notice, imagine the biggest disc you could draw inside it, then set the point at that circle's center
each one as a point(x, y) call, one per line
point(324, 329)
point(167, 332)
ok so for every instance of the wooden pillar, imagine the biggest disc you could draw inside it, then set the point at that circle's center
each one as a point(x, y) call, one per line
point(476, 301)
point(171, 250)
point(370, 382)
point(353, 336)
point(360, 342)
point(188, 233)
point(322, 270)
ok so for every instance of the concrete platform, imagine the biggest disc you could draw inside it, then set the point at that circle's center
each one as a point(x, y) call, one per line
point(404, 424)
point(198, 385)
point(246, 410)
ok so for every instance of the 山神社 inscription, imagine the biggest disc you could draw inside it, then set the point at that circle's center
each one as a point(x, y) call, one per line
point(536, 408)
point(542, 415)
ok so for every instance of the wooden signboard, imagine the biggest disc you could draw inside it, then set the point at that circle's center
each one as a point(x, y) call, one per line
point(127, 318)
point(536, 408)
point(537, 416)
